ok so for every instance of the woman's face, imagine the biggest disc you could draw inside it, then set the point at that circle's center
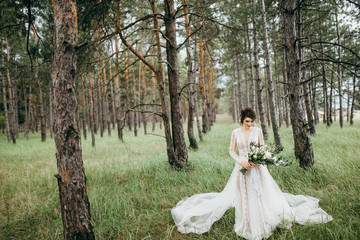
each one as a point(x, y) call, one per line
point(248, 122)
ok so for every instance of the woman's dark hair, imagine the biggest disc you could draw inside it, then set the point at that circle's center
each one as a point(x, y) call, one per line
point(247, 112)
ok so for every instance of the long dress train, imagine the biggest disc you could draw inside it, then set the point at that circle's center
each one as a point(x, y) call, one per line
point(260, 205)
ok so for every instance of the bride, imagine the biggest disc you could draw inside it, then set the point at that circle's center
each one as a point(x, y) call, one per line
point(260, 205)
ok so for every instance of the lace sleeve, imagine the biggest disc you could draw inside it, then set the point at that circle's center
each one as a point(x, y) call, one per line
point(260, 137)
point(232, 150)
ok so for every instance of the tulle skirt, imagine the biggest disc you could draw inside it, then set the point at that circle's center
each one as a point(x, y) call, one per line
point(260, 206)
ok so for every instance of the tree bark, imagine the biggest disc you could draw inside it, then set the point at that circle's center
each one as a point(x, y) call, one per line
point(202, 84)
point(41, 103)
point(11, 112)
point(190, 78)
point(91, 99)
point(180, 151)
point(239, 81)
point(75, 206)
point(83, 106)
point(302, 143)
point(196, 97)
point(270, 85)
point(341, 117)
point(51, 115)
point(7, 121)
point(250, 51)
point(259, 88)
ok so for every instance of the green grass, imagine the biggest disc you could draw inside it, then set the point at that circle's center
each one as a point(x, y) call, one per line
point(132, 189)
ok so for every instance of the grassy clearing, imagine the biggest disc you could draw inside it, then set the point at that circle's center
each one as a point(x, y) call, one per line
point(132, 189)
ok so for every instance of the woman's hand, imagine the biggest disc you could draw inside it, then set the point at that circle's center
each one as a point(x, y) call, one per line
point(248, 165)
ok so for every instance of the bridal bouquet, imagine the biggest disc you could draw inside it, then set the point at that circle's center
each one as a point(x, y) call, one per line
point(263, 155)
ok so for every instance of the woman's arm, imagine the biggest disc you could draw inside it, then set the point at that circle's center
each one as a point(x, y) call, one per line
point(260, 137)
point(232, 152)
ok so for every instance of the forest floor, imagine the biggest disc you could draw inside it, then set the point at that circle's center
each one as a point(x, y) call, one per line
point(132, 189)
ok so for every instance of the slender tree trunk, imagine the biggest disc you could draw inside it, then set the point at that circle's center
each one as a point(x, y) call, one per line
point(153, 93)
point(113, 109)
point(83, 106)
point(353, 99)
point(250, 51)
point(302, 143)
point(306, 93)
point(117, 84)
point(239, 80)
point(91, 99)
point(331, 98)
point(127, 93)
point(196, 97)
point(11, 112)
point(190, 78)
point(26, 123)
point(270, 85)
point(259, 88)
point(75, 206)
point(233, 100)
point(41, 103)
point(7, 121)
point(341, 117)
point(246, 75)
point(181, 155)
point(202, 84)
point(51, 116)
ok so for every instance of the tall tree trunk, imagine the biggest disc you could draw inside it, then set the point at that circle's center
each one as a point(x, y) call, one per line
point(250, 51)
point(306, 92)
point(233, 100)
point(127, 93)
point(11, 112)
point(41, 103)
point(196, 97)
point(83, 106)
point(270, 85)
point(326, 118)
point(353, 99)
point(330, 104)
point(91, 99)
point(181, 155)
point(202, 84)
point(116, 81)
point(302, 143)
point(134, 116)
point(259, 88)
point(7, 121)
point(113, 109)
point(75, 206)
point(239, 80)
point(51, 115)
point(341, 117)
point(153, 93)
point(26, 123)
point(246, 74)
point(190, 78)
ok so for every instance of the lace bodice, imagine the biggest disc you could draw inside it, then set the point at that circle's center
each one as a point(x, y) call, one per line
point(239, 140)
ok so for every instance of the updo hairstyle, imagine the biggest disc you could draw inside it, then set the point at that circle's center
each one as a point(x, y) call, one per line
point(247, 112)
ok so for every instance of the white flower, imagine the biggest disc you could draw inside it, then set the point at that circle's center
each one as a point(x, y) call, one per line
point(255, 156)
point(268, 155)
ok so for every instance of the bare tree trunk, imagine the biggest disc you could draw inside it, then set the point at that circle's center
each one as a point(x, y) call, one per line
point(239, 80)
point(41, 103)
point(202, 84)
point(83, 106)
point(181, 155)
point(302, 143)
point(190, 78)
point(11, 112)
point(117, 84)
point(246, 74)
point(51, 116)
point(7, 121)
point(113, 110)
point(153, 107)
point(91, 99)
point(250, 51)
point(306, 93)
point(259, 88)
point(75, 206)
point(330, 104)
point(341, 117)
point(270, 85)
point(196, 97)
point(233, 100)
point(26, 123)
point(127, 94)
point(353, 99)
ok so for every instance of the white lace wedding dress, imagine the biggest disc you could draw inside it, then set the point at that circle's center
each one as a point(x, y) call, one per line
point(260, 205)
